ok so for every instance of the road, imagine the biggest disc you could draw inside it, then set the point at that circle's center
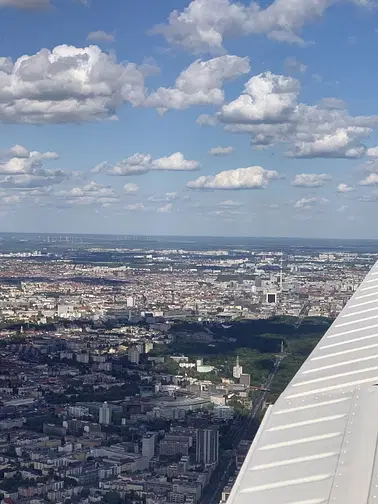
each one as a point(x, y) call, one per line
point(239, 430)
point(303, 314)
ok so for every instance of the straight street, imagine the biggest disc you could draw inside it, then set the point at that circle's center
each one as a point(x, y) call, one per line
point(222, 473)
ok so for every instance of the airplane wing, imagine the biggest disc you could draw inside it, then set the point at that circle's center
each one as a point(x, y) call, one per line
point(318, 443)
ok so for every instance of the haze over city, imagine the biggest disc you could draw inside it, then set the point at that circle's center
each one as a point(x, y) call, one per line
point(207, 117)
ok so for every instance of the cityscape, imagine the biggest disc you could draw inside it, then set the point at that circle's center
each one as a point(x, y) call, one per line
point(137, 369)
point(188, 252)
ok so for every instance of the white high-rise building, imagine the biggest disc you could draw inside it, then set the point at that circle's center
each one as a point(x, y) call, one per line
point(148, 445)
point(104, 414)
point(130, 302)
point(134, 354)
point(237, 370)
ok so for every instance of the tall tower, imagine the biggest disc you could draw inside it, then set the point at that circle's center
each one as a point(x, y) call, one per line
point(237, 370)
point(281, 273)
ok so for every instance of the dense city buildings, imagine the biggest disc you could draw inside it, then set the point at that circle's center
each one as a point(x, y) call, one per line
point(139, 372)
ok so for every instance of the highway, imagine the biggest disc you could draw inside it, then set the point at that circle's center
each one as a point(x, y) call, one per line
point(242, 428)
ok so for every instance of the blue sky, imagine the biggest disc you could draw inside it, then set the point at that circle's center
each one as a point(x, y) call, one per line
point(222, 118)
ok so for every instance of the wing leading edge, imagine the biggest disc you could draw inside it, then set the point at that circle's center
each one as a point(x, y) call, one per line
point(318, 443)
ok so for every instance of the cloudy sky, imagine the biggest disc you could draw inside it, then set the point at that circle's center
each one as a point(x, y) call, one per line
point(202, 117)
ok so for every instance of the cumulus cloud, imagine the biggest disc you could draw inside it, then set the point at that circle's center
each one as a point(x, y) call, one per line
point(253, 177)
point(372, 152)
point(169, 196)
point(24, 169)
point(165, 208)
point(175, 162)
point(135, 207)
point(139, 164)
point(21, 161)
point(268, 110)
point(310, 180)
point(221, 151)
point(309, 203)
point(207, 120)
point(200, 84)
point(90, 194)
point(342, 143)
point(17, 151)
point(267, 98)
point(26, 182)
point(204, 24)
point(101, 167)
point(370, 180)
point(100, 36)
point(130, 188)
point(344, 188)
point(67, 84)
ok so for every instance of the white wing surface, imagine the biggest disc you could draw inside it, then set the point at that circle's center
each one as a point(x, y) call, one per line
point(318, 443)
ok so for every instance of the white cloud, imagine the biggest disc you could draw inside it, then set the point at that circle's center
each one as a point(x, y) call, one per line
point(227, 214)
point(26, 4)
point(293, 65)
point(207, 120)
point(204, 24)
point(175, 162)
point(267, 98)
point(268, 110)
point(135, 207)
point(287, 38)
point(100, 36)
point(253, 177)
point(21, 161)
point(200, 84)
point(370, 180)
point(332, 103)
point(130, 188)
point(344, 188)
point(169, 196)
point(342, 143)
point(343, 208)
point(221, 151)
point(26, 182)
point(18, 151)
point(372, 152)
point(310, 180)
point(101, 167)
point(67, 84)
point(89, 194)
point(309, 203)
point(165, 208)
point(230, 204)
point(24, 169)
point(370, 166)
point(137, 164)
